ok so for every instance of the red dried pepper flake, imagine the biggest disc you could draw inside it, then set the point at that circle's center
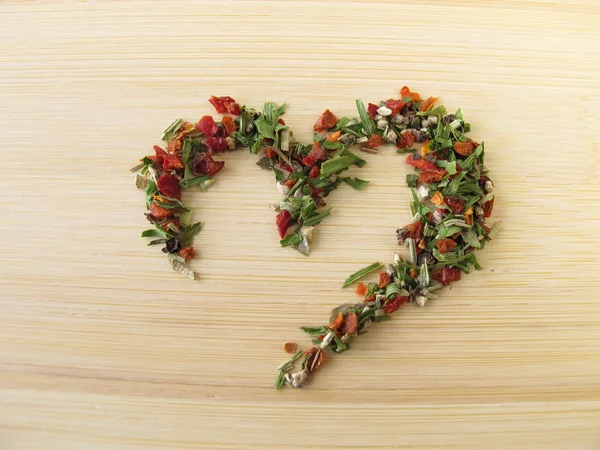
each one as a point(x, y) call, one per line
point(290, 347)
point(394, 105)
point(314, 172)
point(158, 158)
point(229, 125)
point(464, 148)
point(283, 221)
point(316, 192)
point(207, 126)
point(270, 153)
point(188, 252)
point(384, 279)
point(289, 184)
point(350, 324)
point(421, 163)
point(414, 96)
point(446, 275)
point(415, 230)
point(337, 322)
point(374, 141)
point(370, 298)
point(284, 166)
point(445, 245)
point(406, 140)
point(316, 356)
point(281, 121)
point(427, 104)
point(174, 147)
point(455, 204)
point(171, 162)
point(333, 137)
point(362, 289)
point(158, 212)
point(488, 207)
point(394, 304)
point(432, 177)
point(169, 185)
point(326, 121)
point(225, 104)
point(413, 273)
point(215, 144)
point(317, 154)
point(204, 164)
point(372, 110)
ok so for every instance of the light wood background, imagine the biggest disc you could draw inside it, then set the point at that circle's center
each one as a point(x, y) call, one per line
point(102, 346)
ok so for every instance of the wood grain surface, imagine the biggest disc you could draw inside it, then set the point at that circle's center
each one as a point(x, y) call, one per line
point(102, 346)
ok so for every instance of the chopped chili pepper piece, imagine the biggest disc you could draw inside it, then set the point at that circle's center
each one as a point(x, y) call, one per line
point(225, 104)
point(431, 177)
point(289, 184)
point(406, 140)
point(488, 207)
point(362, 289)
point(169, 186)
point(411, 231)
point(374, 141)
point(395, 106)
point(394, 304)
point(463, 148)
point(270, 153)
point(421, 163)
point(437, 198)
point(314, 172)
point(445, 245)
point(384, 279)
point(372, 110)
point(350, 324)
point(427, 104)
point(175, 146)
point(290, 347)
point(158, 212)
point(317, 154)
point(204, 164)
point(215, 144)
point(414, 96)
point(326, 121)
point(283, 221)
point(207, 126)
point(229, 125)
point(455, 204)
point(333, 137)
point(188, 253)
point(446, 275)
point(337, 322)
point(171, 162)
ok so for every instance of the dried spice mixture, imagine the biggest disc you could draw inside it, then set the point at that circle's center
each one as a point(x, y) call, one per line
point(452, 198)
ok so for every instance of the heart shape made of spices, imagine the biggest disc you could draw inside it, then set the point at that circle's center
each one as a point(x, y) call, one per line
point(452, 198)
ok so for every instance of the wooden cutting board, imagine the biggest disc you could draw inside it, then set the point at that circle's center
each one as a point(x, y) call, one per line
point(102, 346)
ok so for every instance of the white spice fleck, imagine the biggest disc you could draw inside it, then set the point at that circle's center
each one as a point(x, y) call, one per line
point(297, 380)
point(420, 300)
point(382, 124)
point(326, 340)
point(282, 188)
point(384, 111)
